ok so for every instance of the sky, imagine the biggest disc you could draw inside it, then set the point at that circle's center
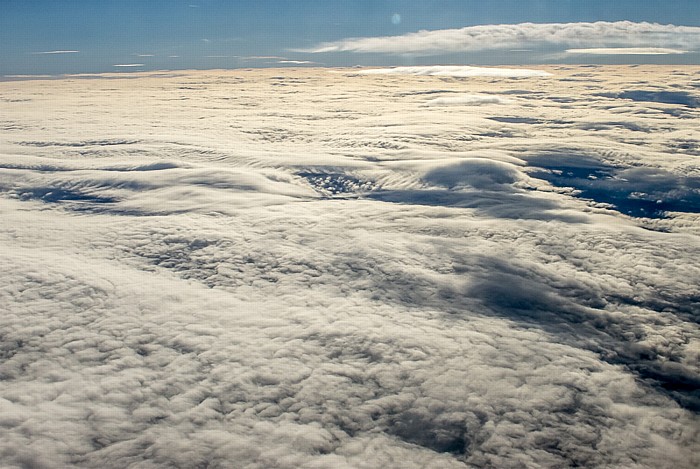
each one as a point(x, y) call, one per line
point(81, 36)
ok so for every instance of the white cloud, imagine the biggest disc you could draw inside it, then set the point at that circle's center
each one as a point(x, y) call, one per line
point(56, 52)
point(457, 71)
point(524, 35)
point(128, 65)
point(296, 62)
point(334, 275)
point(627, 51)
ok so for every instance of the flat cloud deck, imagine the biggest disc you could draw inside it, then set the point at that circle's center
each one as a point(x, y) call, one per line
point(314, 268)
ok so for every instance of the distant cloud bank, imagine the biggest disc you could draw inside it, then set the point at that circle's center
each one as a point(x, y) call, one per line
point(458, 71)
point(620, 34)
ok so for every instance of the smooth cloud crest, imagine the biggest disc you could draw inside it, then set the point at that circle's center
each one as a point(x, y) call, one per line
point(507, 36)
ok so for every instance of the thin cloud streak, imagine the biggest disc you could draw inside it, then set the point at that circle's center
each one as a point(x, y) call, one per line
point(296, 62)
point(627, 51)
point(523, 35)
point(264, 57)
point(51, 52)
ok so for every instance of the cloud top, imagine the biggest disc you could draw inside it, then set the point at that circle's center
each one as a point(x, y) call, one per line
point(509, 36)
point(468, 99)
point(231, 273)
point(458, 71)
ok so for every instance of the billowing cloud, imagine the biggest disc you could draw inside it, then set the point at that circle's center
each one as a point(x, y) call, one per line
point(523, 35)
point(299, 268)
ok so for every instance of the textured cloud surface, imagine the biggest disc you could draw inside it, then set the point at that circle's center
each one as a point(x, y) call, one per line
point(458, 71)
point(297, 268)
point(508, 36)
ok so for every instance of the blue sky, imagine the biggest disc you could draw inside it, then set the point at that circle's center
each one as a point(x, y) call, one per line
point(175, 34)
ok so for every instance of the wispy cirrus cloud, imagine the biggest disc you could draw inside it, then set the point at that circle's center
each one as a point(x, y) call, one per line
point(51, 52)
point(264, 57)
point(296, 62)
point(627, 51)
point(524, 35)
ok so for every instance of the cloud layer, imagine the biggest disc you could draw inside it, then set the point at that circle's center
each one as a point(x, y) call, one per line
point(469, 99)
point(457, 71)
point(297, 268)
point(511, 36)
